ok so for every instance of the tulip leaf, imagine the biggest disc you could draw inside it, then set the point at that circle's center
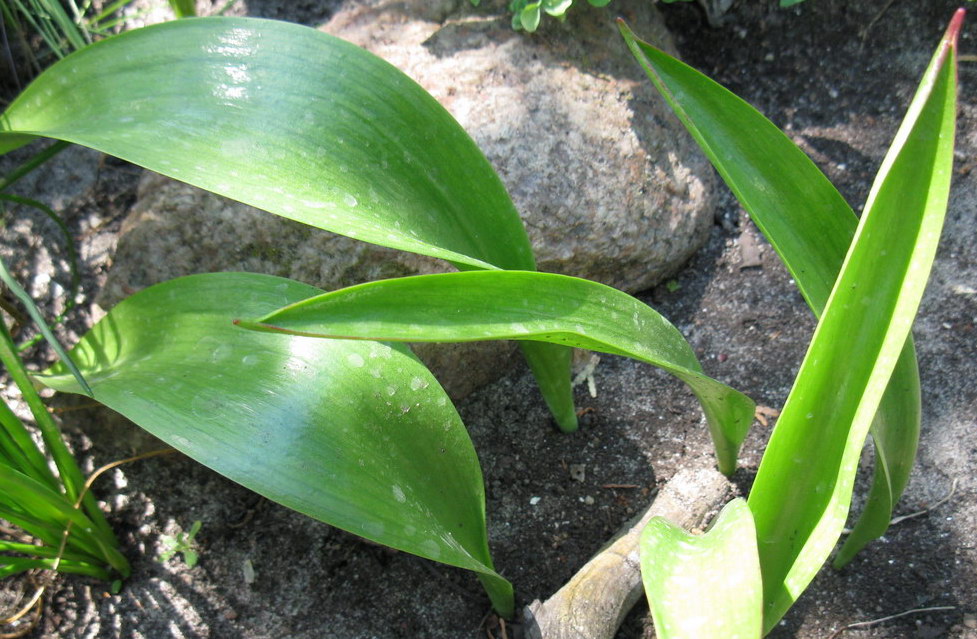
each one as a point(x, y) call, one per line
point(296, 122)
point(799, 515)
point(810, 226)
point(704, 586)
point(357, 434)
point(519, 305)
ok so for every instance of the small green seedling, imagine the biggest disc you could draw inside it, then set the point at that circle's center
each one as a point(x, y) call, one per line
point(182, 543)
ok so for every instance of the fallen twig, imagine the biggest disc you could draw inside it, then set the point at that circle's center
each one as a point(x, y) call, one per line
point(872, 622)
point(595, 601)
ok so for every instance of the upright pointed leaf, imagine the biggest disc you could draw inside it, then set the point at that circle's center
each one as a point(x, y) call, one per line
point(803, 488)
point(809, 225)
point(293, 121)
point(357, 434)
point(704, 586)
point(480, 305)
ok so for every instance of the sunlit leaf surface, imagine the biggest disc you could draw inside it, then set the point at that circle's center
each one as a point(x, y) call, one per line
point(704, 586)
point(479, 305)
point(296, 122)
point(355, 433)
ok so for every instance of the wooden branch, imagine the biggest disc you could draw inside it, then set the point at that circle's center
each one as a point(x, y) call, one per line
point(593, 604)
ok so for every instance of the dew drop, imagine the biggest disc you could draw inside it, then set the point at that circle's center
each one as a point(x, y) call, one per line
point(399, 494)
point(431, 548)
point(355, 360)
point(417, 383)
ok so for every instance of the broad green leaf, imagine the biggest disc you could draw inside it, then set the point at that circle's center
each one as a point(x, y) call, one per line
point(290, 120)
point(357, 434)
point(519, 305)
point(704, 586)
point(809, 225)
point(803, 488)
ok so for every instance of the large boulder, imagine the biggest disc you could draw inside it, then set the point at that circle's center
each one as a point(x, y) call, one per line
point(609, 186)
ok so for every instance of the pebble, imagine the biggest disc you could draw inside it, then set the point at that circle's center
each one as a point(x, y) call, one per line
point(578, 472)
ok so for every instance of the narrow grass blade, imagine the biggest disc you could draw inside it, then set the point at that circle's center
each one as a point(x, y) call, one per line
point(70, 474)
point(42, 326)
point(356, 434)
point(704, 586)
point(810, 226)
point(803, 488)
point(20, 450)
point(292, 121)
point(519, 305)
point(54, 512)
point(10, 566)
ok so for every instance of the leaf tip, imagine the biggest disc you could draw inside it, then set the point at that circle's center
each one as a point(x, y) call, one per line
point(956, 24)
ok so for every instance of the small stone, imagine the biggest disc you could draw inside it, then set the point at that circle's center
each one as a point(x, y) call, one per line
point(533, 501)
point(970, 620)
point(578, 472)
point(588, 500)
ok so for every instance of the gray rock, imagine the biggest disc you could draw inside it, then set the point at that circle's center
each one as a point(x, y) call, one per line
point(609, 187)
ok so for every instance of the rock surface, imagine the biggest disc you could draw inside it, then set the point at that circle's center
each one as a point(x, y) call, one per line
point(608, 187)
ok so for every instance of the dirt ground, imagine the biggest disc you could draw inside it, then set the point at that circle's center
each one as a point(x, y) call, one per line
point(837, 76)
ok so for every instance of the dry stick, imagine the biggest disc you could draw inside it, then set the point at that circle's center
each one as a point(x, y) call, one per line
point(872, 622)
point(863, 34)
point(595, 601)
point(36, 599)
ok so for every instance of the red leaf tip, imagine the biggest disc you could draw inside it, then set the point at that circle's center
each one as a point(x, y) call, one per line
point(956, 24)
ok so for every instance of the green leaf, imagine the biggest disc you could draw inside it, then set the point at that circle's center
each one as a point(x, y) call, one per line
point(290, 120)
point(776, 183)
point(42, 325)
point(556, 8)
point(481, 305)
point(803, 488)
point(356, 434)
point(343, 141)
point(599, 3)
point(706, 586)
point(183, 8)
point(529, 17)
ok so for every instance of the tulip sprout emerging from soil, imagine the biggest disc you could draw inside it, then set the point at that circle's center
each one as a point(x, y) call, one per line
point(355, 431)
